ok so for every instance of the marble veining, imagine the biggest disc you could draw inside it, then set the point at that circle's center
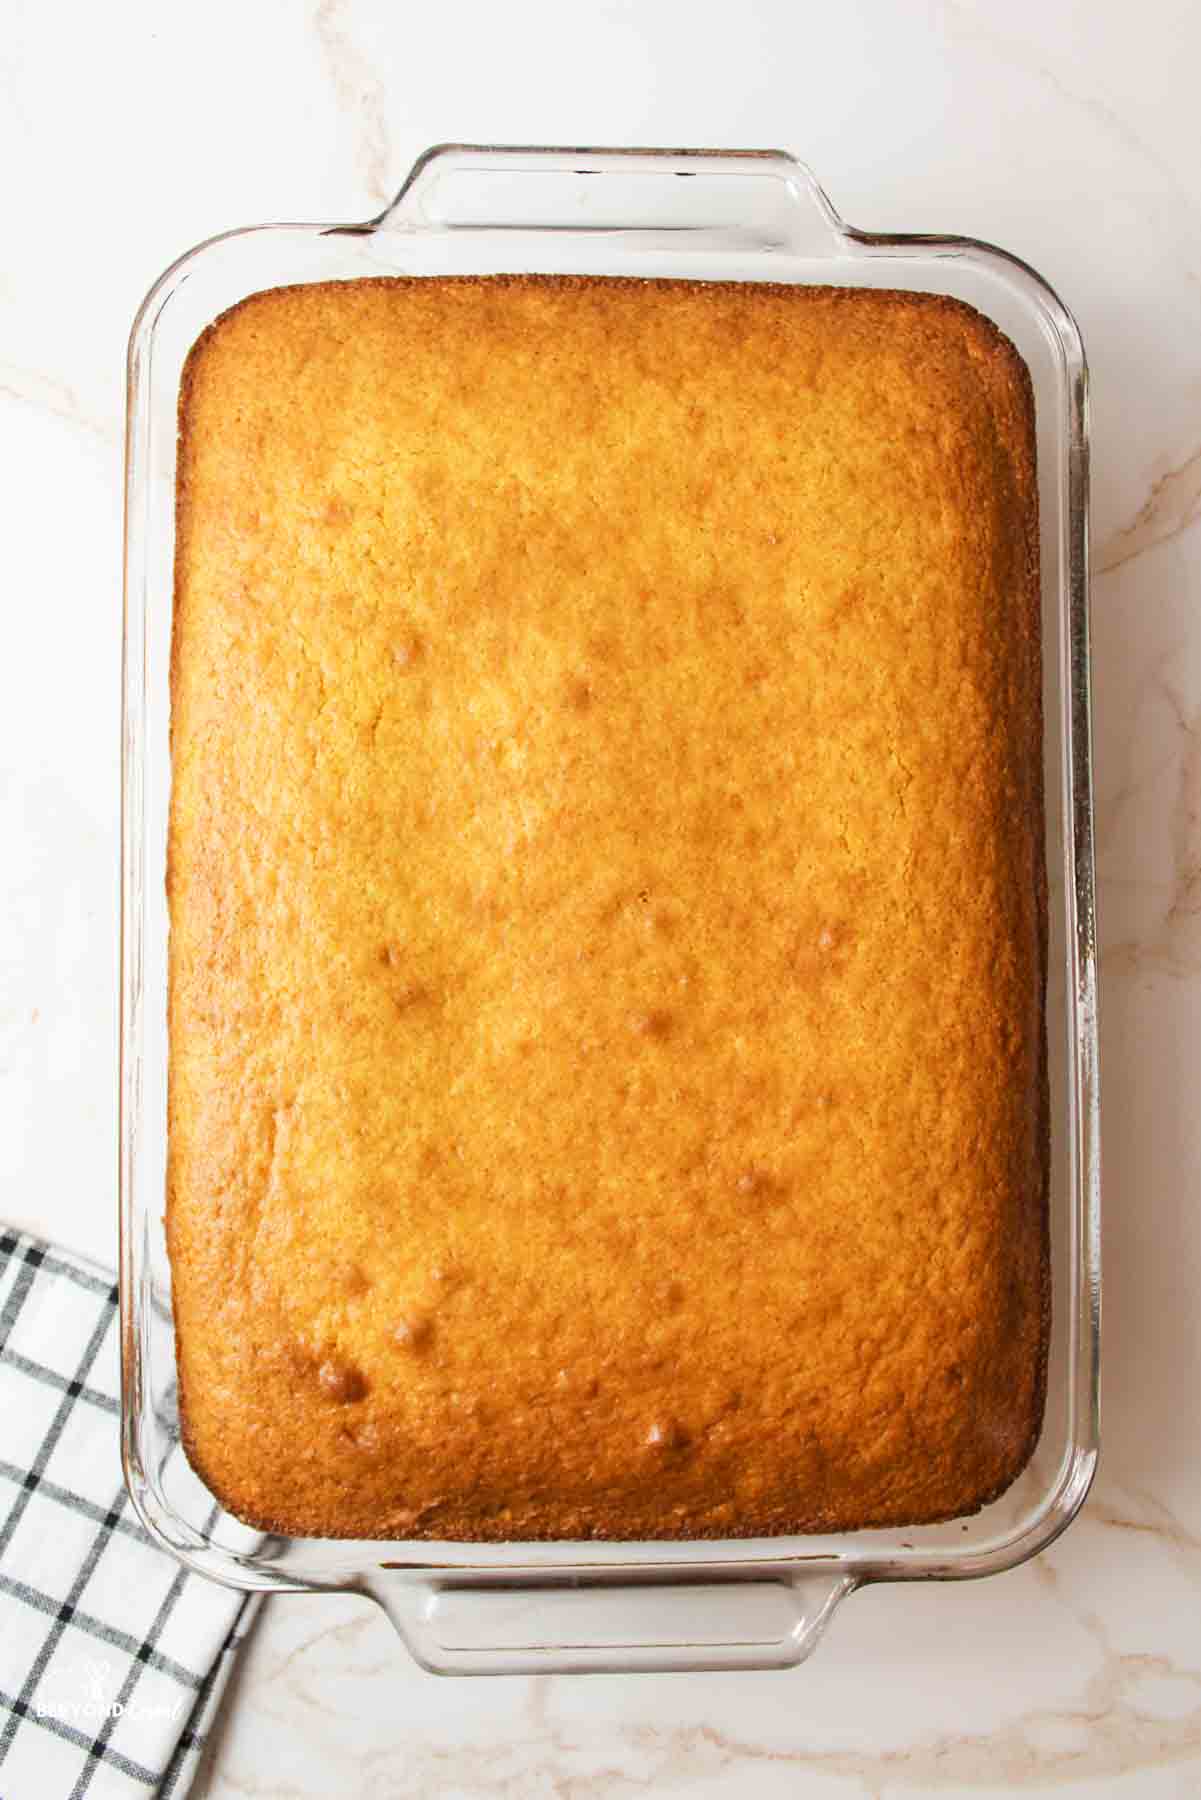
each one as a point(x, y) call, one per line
point(30, 388)
point(1172, 506)
point(361, 97)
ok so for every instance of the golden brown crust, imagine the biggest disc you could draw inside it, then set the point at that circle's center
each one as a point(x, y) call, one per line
point(607, 1080)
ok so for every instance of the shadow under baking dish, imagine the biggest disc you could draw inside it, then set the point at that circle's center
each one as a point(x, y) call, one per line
point(510, 1608)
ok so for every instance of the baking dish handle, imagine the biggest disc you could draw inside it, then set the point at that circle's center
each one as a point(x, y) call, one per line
point(574, 1625)
point(764, 195)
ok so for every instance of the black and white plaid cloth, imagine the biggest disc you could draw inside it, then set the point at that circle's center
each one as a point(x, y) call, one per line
point(112, 1657)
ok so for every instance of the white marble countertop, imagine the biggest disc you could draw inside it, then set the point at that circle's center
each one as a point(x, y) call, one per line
point(1069, 134)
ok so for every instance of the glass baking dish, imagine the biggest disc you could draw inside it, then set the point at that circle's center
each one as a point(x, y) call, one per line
point(471, 1608)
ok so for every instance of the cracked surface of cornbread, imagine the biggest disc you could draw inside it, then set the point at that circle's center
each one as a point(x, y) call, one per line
point(607, 1075)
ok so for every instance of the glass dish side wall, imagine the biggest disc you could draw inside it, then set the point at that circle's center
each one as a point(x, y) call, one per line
point(737, 218)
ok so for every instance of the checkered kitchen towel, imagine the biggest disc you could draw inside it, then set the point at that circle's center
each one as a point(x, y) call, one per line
point(112, 1657)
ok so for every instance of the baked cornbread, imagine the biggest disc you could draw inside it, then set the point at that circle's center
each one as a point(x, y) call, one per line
point(607, 1082)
